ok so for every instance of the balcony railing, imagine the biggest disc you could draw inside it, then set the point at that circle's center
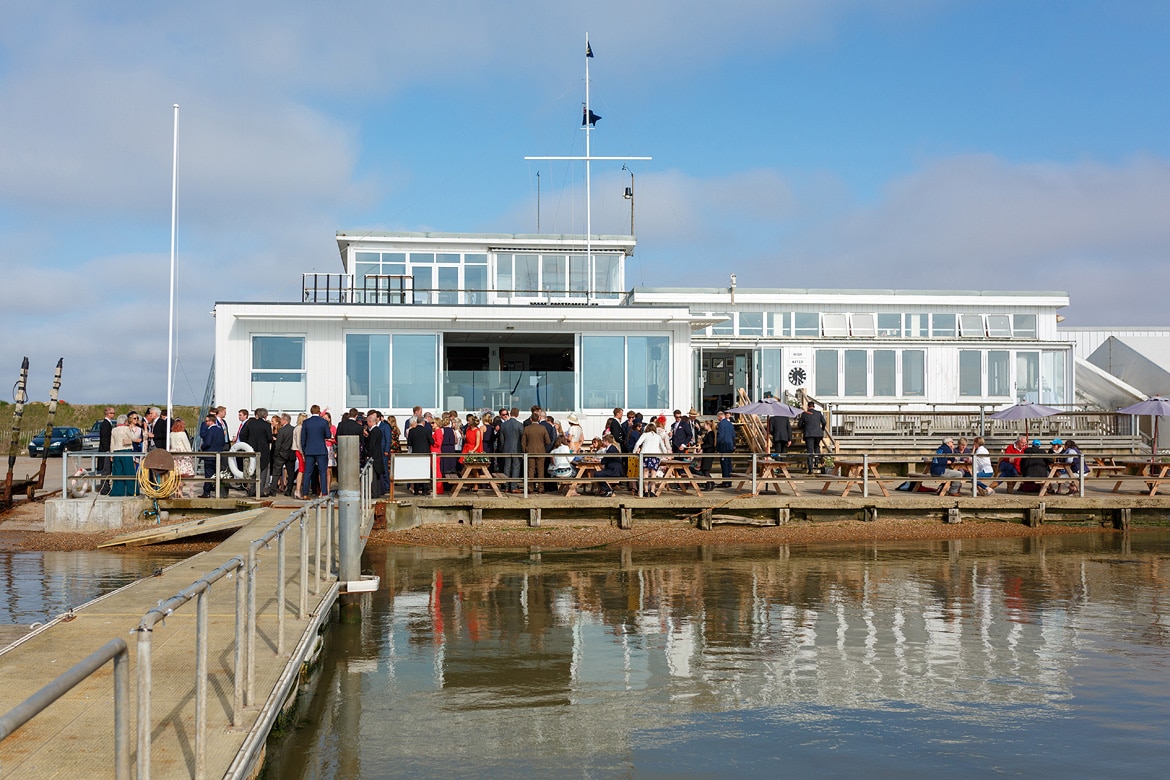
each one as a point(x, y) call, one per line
point(402, 290)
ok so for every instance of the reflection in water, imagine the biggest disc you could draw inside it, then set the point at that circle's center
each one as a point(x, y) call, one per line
point(1003, 655)
point(36, 586)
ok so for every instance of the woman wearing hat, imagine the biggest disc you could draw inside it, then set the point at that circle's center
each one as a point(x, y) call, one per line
point(574, 435)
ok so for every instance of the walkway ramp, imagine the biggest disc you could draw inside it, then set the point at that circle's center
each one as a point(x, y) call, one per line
point(74, 737)
point(168, 533)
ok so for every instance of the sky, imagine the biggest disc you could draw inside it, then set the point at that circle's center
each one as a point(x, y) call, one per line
point(888, 144)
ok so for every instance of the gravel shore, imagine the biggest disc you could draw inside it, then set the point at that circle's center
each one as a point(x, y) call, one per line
point(16, 534)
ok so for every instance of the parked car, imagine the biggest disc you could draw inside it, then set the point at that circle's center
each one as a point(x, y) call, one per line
point(93, 436)
point(63, 439)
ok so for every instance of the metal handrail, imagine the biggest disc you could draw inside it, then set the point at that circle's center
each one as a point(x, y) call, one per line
point(115, 650)
point(92, 480)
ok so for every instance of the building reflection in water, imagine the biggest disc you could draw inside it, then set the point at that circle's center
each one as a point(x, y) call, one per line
point(937, 624)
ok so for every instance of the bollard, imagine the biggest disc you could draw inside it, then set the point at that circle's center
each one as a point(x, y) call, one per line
point(349, 542)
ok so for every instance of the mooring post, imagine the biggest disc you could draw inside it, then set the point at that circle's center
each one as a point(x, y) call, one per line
point(349, 498)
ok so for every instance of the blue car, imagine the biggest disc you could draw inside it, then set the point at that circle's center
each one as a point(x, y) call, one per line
point(63, 439)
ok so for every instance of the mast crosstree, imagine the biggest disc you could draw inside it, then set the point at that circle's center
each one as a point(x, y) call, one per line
point(588, 120)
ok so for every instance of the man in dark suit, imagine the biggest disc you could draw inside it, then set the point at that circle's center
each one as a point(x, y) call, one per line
point(511, 429)
point(418, 442)
point(725, 445)
point(780, 429)
point(160, 428)
point(257, 434)
point(284, 463)
point(105, 465)
point(213, 441)
point(374, 443)
point(314, 433)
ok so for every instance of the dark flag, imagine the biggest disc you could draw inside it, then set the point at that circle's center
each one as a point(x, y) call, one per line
point(588, 50)
point(588, 117)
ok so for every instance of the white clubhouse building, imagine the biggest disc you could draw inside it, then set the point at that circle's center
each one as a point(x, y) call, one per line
point(480, 321)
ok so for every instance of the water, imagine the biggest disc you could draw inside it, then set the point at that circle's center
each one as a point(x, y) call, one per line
point(38, 586)
point(1023, 657)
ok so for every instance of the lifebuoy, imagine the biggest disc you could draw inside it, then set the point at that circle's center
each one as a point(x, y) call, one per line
point(234, 463)
point(80, 484)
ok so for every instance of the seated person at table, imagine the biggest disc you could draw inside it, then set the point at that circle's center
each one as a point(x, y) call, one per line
point(1033, 466)
point(561, 467)
point(962, 459)
point(1074, 465)
point(613, 465)
point(982, 464)
point(940, 466)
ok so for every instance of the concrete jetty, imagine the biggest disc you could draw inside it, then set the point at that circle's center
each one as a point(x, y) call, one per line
point(74, 737)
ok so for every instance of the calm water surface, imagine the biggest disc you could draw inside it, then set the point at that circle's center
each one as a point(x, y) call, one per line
point(38, 586)
point(1020, 657)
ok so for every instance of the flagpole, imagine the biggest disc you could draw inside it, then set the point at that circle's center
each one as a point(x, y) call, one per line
point(587, 119)
point(171, 319)
point(588, 168)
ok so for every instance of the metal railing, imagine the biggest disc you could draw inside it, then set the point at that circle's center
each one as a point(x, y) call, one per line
point(748, 469)
point(115, 650)
point(80, 478)
point(244, 570)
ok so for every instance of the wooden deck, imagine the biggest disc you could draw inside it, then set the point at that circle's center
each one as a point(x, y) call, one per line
point(73, 738)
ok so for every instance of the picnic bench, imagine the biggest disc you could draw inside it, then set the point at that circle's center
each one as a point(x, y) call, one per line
point(771, 472)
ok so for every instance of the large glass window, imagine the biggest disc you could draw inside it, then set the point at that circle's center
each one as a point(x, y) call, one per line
point(999, 326)
point(1028, 376)
point(913, 372)
point(603, 373)
point(772, 372)
point(475, 284)
point(448, 285)
point(424, 280)
point(578, 276)
point(526, 275)
point(889, 324)
point(751, 323)
point(999, 381)
point(885, 372)
point(1052, 378)
point(1024, 326)
point(781, 323)
point(825, 368)
point(504, 276)
point(970, 372)
point(856, 372)
point(917, 326)
point(607, 277)
point(555, 269)
point(648, 372)
point(367, 370)
point(942, 325)
point(414, 370)
point(278, 372)
point(806, 323)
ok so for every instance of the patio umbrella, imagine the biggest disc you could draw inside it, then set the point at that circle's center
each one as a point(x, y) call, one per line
point(769, 407)
point(1156, 407)
point(1024, 411)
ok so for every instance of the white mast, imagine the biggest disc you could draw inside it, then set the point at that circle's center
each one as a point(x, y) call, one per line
point(171, 320)
point(587, 116)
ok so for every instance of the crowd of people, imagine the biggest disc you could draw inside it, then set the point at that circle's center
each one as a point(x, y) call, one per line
point(298, 457)
point(1026, 462)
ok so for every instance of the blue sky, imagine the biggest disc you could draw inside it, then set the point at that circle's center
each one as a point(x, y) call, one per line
point(956, 144)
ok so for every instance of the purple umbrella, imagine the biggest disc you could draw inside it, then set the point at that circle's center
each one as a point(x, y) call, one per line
point(769, 407)
point(1024, 411)
point(1156, 407)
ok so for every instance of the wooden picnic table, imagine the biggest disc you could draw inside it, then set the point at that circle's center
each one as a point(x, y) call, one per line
point(771, 472)
point(853, 472)
point(1156, 473)
point(476, 471)
point(587, 468)
point(679, 470)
